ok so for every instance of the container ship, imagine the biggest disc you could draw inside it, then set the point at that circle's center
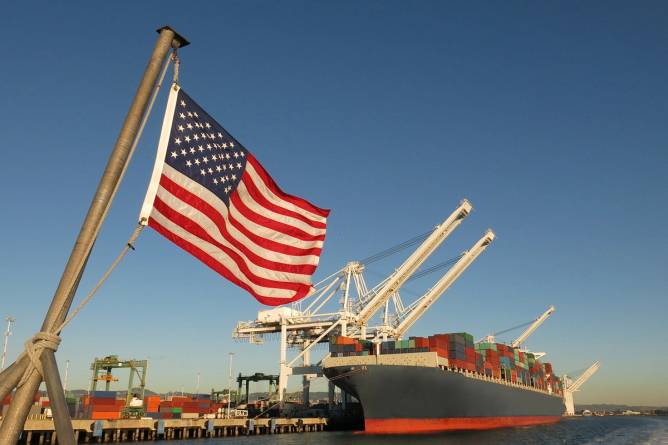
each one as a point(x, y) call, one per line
point(444, 382)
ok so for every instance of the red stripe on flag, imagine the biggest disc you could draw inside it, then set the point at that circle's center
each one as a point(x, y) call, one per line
point(264, 202)
point(220, 221)
point(197, 230)
point(270, 223)
point(269, 182)
point(222, 270)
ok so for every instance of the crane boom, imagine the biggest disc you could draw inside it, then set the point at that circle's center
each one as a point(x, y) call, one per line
point(575, 386)
point(539, 321)
point(444, 283)
point(569, 389)
point(398, 278)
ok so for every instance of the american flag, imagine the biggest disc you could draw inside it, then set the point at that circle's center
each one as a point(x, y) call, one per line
point(211, 197)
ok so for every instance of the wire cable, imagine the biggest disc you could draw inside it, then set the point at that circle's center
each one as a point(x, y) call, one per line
point(394, 249)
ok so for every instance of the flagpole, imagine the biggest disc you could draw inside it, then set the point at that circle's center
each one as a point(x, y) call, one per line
point(14, 420)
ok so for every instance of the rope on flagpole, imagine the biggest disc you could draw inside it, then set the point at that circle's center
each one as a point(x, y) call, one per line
point(51, 340)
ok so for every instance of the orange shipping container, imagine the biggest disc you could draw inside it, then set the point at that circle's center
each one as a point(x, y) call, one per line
point(105, 415)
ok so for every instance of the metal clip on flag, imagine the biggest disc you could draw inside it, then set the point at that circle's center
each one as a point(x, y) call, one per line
point(211, 197)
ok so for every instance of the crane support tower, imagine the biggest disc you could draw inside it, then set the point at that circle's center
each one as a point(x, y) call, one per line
point(102, 368)
point(311, 321)
point(571, 386)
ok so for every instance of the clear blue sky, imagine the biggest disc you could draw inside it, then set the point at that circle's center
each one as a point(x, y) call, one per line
point(549, 117)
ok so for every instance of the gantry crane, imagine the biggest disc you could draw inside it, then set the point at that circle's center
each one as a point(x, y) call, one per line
point(571, 386)
point(306, 323)
point(102, 367)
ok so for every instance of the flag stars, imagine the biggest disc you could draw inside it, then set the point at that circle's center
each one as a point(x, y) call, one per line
point(203, 172)
point(242, 154)
point(210, 170)
point(239, 165)
point(220, 135)
point(181, 128)
point(224, 145)
point(207, 125)
point(227, 156)
point(197, 162)
point(183, 152)
point(187, 139)
point(231, 144)
point(234, 177)
point(189, 164)
point(182, 116)
point(177, 141)
point(205, 160)
point(174, 155)
point(192, 150)
point(183, 103)
point(236, 154)
point(218, 168)
point(190, 126)
point(200, 148)
point(189, 114)
point(196, 137)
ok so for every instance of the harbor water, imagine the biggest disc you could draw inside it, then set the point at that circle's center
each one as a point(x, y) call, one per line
point(571, 431)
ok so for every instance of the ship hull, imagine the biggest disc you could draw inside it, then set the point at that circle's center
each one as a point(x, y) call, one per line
point(408, 399)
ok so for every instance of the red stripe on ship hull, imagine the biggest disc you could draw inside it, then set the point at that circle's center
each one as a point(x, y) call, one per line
point(399, 426)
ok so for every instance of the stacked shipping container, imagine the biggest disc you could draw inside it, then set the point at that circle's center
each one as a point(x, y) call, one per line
point(495, 360)
point(103, 405)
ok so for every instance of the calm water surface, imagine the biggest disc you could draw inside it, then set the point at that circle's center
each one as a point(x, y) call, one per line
point(583, 430)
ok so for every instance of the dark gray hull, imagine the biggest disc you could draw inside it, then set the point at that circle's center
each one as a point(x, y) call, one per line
point(416, 398)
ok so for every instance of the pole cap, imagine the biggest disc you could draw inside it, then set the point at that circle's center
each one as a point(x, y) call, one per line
point(179, 41)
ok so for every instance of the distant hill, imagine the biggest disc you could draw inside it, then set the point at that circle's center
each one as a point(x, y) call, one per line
point(616, 407)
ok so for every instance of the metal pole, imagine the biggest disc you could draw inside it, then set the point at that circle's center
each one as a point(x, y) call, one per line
point(197, 386)
point(14, 420)
point(59, 410)
point(229, 386)
point(8, 332)
point(67, 374)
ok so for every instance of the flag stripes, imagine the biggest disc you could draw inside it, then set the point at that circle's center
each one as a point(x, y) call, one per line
point(218, 203)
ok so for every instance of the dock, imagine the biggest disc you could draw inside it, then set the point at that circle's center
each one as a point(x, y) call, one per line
point(42, 431)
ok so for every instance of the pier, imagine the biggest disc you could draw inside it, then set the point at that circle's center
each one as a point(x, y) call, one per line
point(42, 431)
